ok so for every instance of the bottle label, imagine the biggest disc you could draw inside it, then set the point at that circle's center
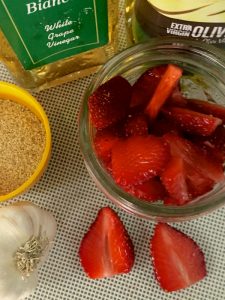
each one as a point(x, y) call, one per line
point(202, 20)
point(44, 31)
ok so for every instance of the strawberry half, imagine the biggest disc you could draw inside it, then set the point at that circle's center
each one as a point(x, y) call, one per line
point(151, 190)
point(138, 159)
point(177, 260)
point(191, 121)
point(145, 86)
point(207, 107)
point(106, 249)
point(110, 102)
point(163, 90)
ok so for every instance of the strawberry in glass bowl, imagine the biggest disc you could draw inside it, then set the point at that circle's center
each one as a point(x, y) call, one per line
point(152, 129)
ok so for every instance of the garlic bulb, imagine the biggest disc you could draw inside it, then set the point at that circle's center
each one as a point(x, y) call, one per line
point(26, 233)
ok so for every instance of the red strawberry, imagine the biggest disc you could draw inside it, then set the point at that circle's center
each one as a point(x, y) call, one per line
point(195, 157)
point(218, 141)
point(191, 121)
point(174, 180)
point(151, 190)
point(136, 124)
point(197, 183)
point(106, 249)
point(207, 107)
point(170, 201)
point(104, 140)
point(165, 87)
point(177, 260)
point(109, 103)
point(145, 86)
point(138, 158)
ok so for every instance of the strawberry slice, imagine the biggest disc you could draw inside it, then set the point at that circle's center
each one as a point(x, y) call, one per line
point(174, 180)
point(136, 124)
point(145, 86)
point(104, 140)
point(195, 157)
point(197, 183)
point(165, 87)
point(138, 158)
point(106, 249)
point(191, 121)
point(151, 190)
point(177, 260)
point(110, 102)
point(207, 107)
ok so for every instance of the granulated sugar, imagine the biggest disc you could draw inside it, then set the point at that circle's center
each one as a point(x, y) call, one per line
point(22, 142)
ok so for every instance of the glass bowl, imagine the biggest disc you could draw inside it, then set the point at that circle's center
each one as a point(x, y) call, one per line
point(196, 58)
point(21, 96)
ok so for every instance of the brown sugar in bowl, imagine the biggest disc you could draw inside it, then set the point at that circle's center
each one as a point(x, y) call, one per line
point(34, 155)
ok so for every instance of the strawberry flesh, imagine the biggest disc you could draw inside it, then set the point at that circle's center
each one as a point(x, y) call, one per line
point(151, 190)
point(138, 159)
point(104, 141)
point(195, 157)
point(191, 121)
point(174, 180)
point(163, 90)
point(207, 107)
point(136, 124)
point(110, 102)
point(145, 86)
point(177, 260)
point(106, 249)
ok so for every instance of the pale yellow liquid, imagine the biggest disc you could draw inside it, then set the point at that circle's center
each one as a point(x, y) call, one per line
point(65, 70)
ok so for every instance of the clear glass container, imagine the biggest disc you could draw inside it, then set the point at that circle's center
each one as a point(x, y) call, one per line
point(199, 59)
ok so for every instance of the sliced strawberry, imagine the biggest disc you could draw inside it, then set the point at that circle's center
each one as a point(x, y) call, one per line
point(151, 190)
point(165, 87)
point(109, 103)
point(174, 180)
point(197, 183)
point(195, 157)
point(177, 260)
point(191, 121)
point(138, 158)
point(207, 107)
point(106, 249)
point(145, 86)
point(104, 140)
point(136, 124)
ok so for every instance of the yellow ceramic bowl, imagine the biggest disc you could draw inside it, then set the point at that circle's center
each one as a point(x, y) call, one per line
point(19, 95)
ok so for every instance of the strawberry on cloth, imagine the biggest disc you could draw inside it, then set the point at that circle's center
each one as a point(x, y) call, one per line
point(109, 103)
point(106, 249)
point(138, 159)
point(177, 260)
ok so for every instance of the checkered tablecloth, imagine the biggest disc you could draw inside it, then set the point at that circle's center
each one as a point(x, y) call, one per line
point(70, 194)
